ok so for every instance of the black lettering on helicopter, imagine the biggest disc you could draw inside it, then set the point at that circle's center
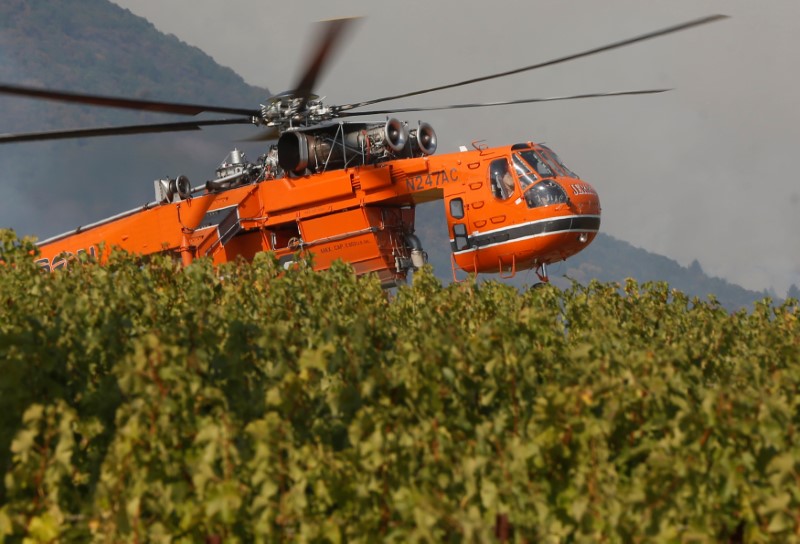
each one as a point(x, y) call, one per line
point(342, 245)
point(434, 179)
point(60, 261)
point(44, 264)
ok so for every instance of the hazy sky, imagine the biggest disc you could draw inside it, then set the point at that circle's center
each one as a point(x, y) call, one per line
point(704, 172)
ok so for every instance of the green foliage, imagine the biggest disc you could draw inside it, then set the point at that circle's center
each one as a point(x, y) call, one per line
point(140, 401)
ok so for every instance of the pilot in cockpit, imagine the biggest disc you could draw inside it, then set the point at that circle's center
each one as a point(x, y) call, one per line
point(502, 180)
point(508, 184)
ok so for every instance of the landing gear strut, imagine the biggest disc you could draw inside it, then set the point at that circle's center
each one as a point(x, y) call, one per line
point(541, 272)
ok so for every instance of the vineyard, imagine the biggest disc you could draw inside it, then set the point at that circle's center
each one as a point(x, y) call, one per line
point(143, 402)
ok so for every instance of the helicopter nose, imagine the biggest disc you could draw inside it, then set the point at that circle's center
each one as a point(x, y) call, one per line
point(592, 204)
point(583, 197)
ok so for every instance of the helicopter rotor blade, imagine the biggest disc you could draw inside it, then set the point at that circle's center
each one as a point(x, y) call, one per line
point(116, 131)
point(332, 33)
point(116, 102)
point(267, 134)
point(589, 52)
point(504, 103)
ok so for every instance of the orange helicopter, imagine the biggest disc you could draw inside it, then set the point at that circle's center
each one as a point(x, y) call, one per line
point(348, 190)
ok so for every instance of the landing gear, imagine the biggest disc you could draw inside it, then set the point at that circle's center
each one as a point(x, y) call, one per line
point(541, 272)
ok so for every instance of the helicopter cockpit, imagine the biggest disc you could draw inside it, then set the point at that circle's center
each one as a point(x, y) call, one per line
point(535, 169)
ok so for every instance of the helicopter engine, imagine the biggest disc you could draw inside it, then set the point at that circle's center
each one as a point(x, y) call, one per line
point(422, 141)
point(352, 144)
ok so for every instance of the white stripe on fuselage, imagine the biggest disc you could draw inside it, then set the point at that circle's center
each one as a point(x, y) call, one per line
point(532, 236)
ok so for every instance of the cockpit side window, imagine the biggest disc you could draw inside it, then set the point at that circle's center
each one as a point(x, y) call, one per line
point(545, 193)
point(500, 179)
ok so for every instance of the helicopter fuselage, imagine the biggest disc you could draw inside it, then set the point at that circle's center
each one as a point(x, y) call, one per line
point(364, 215)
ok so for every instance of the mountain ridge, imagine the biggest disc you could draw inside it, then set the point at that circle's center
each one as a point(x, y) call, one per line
point(115, 51)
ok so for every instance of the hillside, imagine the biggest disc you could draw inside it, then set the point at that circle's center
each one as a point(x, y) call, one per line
point(95, 46)
point(610, 259)
point(98, 47)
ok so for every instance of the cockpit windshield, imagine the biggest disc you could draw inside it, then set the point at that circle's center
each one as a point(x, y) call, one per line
point(552, 157)
point(537, 163)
